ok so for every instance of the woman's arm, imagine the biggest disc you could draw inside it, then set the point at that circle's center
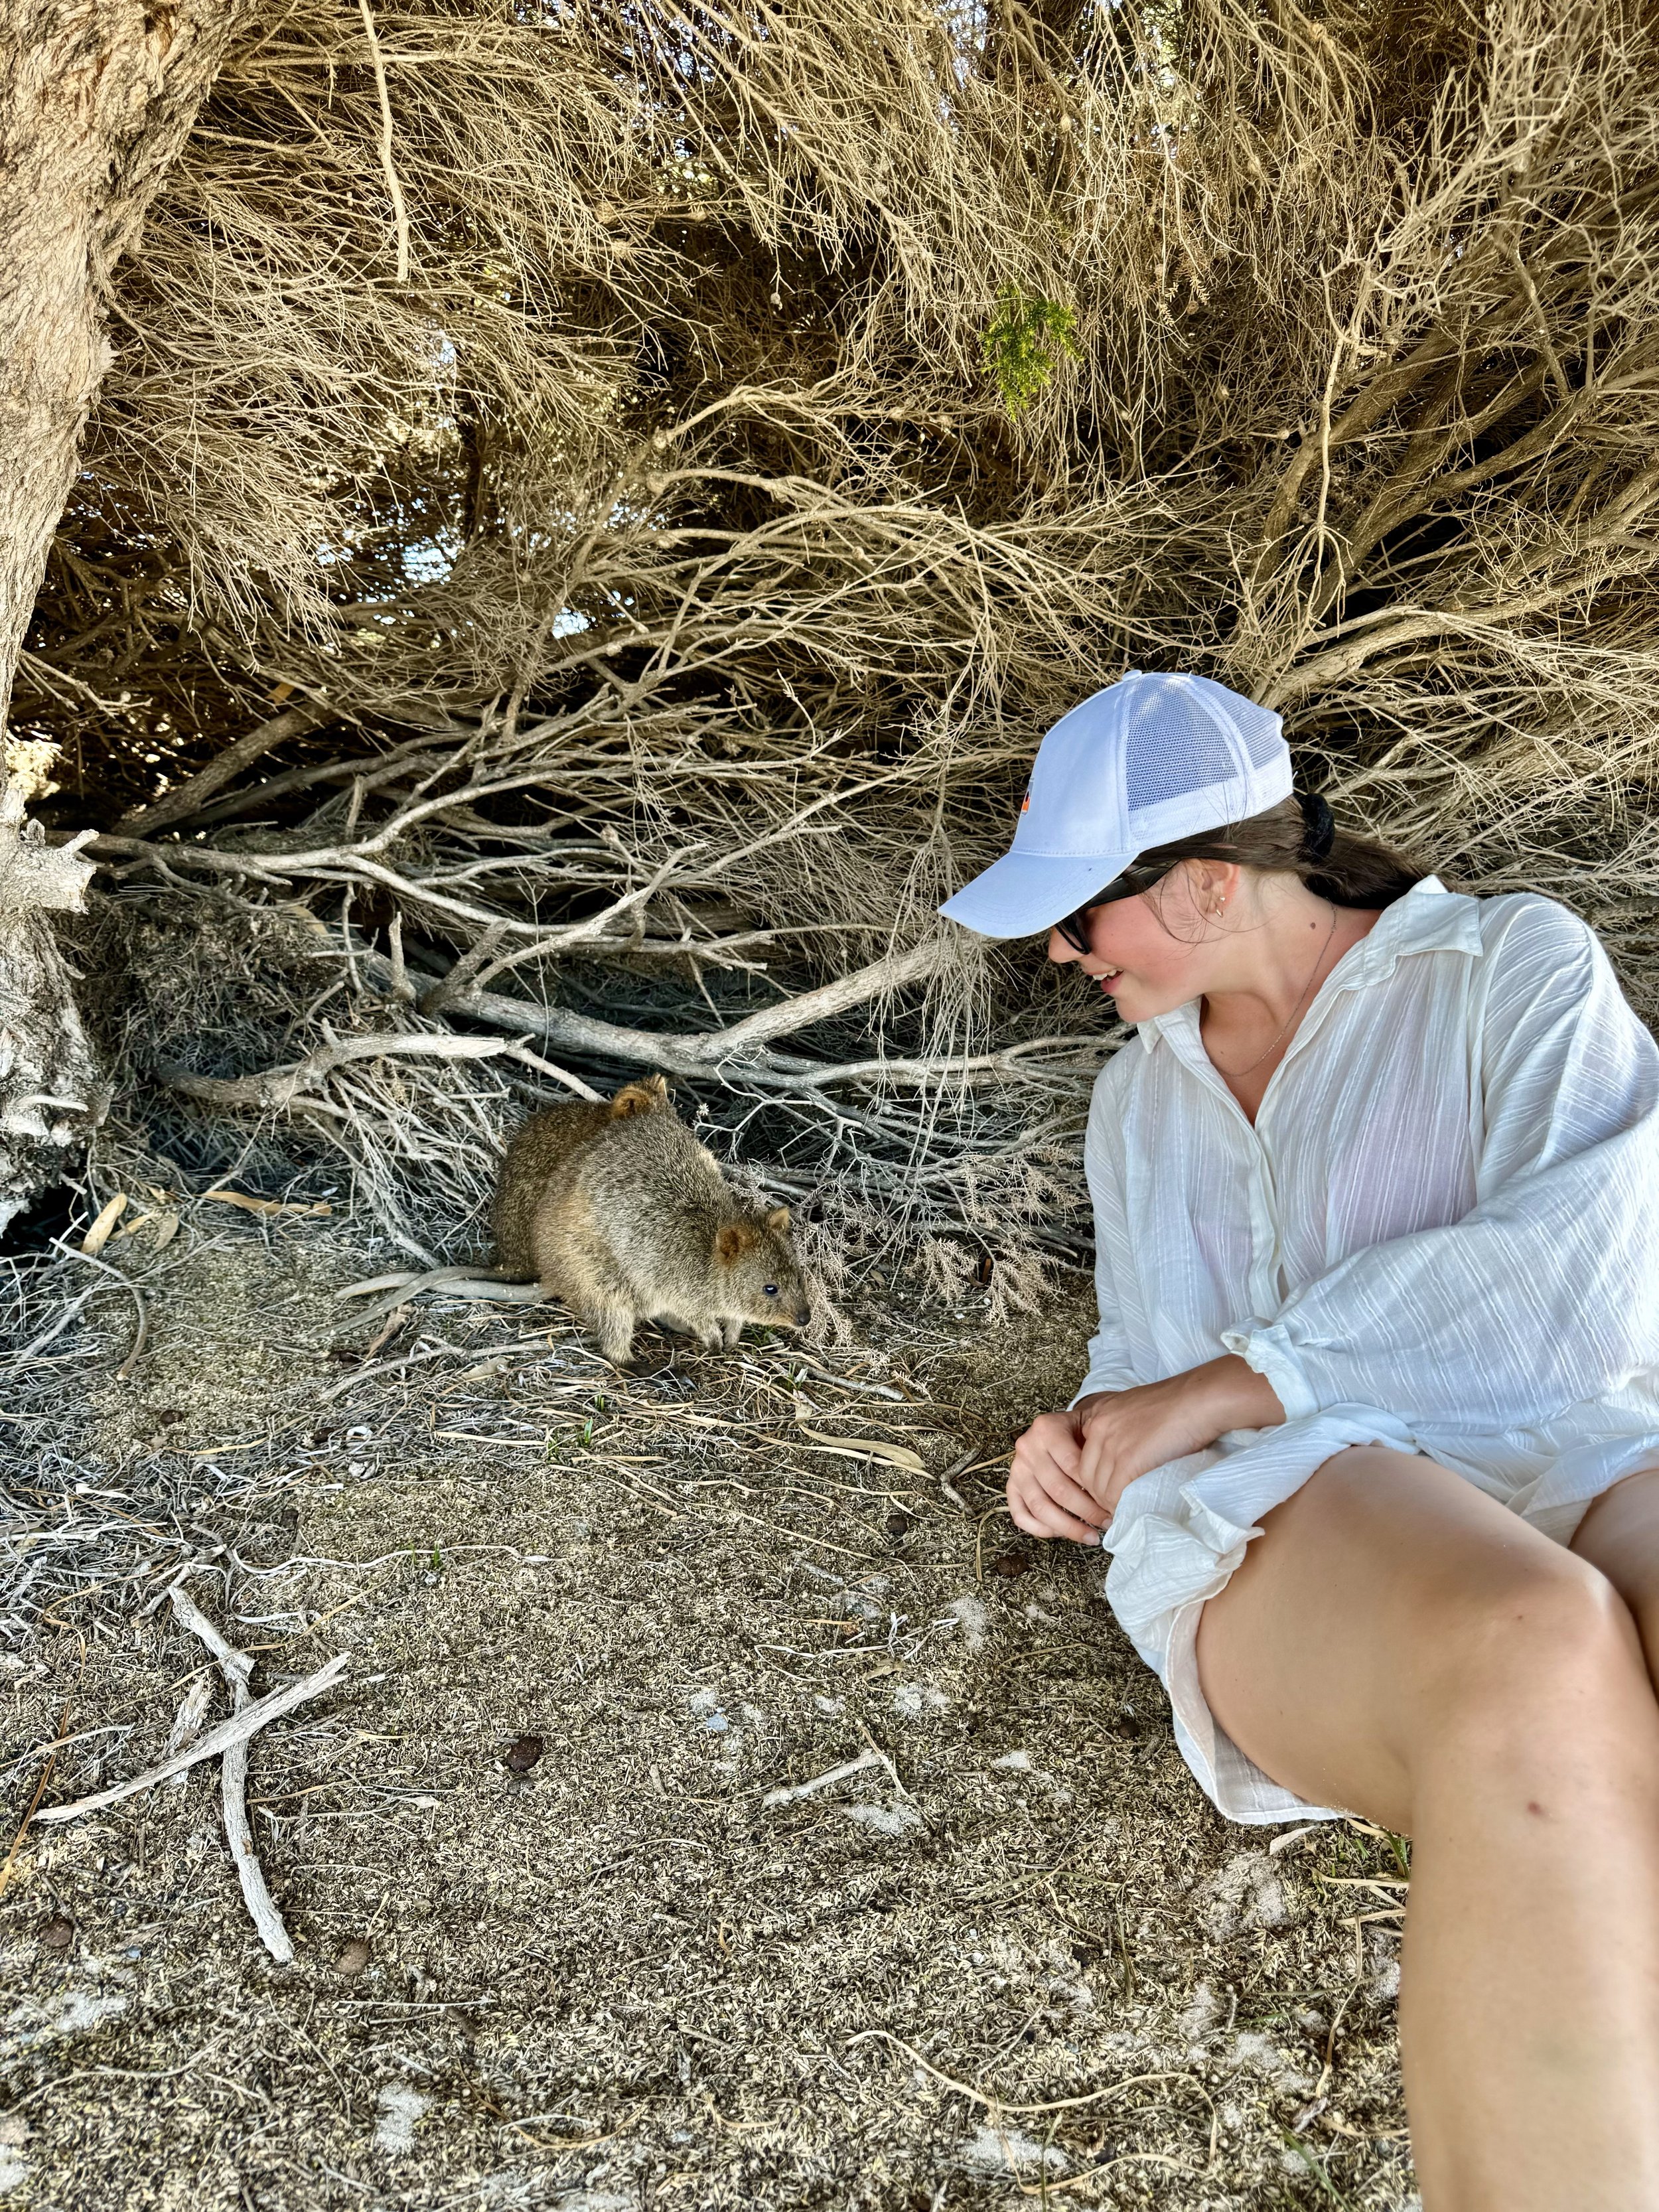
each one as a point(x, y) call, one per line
point(1547, 1292)
point(1070, 1469)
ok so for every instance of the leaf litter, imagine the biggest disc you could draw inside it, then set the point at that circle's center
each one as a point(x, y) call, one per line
point(933, 1917)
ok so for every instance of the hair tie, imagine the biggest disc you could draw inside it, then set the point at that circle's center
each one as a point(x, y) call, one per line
point(1320, 824)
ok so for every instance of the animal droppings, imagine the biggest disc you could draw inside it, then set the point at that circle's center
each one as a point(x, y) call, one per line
point(57, 1935)
point(523, 1752)
point(1010, 1564)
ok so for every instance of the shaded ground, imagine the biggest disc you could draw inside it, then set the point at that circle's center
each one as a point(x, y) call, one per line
point(1012, 1955)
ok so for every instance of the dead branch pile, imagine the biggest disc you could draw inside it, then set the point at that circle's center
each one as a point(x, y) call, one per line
point(594, 505)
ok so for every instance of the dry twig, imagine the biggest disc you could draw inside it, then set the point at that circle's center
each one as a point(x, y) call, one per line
point(239, 1728)
point(238, 1671)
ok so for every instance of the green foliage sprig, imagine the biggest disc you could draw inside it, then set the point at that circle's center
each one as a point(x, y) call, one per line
point(1023, 343)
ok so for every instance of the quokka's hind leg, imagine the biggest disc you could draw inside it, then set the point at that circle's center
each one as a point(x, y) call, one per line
point(613, 1321)
point(608, 1319)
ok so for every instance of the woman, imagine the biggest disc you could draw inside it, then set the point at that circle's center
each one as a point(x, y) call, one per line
point(1371, 1422)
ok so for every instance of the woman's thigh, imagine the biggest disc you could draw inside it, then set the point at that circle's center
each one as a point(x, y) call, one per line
point(1339, 1641)
point(1621, 1535)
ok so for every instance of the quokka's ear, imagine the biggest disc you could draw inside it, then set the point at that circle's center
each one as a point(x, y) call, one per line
point(735, 1239)
point(778, 1218)
point(647, 1097)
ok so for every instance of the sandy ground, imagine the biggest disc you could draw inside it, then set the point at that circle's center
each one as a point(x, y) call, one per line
point(572, 1928)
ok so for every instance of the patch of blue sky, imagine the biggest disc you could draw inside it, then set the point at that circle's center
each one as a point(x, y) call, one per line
point(432, 560)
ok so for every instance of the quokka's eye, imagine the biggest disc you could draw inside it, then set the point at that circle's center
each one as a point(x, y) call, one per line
point(770, 1288)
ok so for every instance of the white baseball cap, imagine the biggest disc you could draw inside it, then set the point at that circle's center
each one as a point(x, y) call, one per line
point(1148, 760)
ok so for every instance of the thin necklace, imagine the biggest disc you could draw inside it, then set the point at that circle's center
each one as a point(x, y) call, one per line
point(1232, 1075)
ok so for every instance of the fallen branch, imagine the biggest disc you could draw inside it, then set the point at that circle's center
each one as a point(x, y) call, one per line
point(240, 1727)
point(703, 1053)
point(185, 798)
point(405, 1279)
point(474, 1282)
point(280, 1086)
point(124, 1373)
point(743, 1046)
point(40, 1788)
point(238, 1671)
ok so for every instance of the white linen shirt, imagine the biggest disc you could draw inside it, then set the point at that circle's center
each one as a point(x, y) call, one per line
point(1441, 1233)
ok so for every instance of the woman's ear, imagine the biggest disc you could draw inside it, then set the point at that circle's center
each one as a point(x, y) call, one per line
point(1212, 885)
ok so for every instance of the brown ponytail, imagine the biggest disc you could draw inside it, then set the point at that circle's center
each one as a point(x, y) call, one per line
point(1352, 871)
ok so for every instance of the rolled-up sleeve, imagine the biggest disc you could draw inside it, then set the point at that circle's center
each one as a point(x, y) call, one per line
point(1546, 1293)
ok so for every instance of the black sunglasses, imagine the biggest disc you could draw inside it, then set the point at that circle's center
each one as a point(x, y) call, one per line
point(1130, 885)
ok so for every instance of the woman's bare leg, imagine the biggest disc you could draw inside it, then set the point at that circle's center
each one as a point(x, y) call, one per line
point(1621, 1535)
point(1398, 1644)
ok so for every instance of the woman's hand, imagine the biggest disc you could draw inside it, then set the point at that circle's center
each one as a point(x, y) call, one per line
point(1045, 1497)
point(1070, 1469)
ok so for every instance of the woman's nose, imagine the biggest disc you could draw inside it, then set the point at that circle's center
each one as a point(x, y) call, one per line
point(1059, 951)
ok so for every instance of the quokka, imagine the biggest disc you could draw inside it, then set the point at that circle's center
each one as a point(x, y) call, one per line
point(617, 1209)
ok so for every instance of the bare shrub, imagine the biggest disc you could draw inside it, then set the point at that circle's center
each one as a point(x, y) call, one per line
point(632, 485)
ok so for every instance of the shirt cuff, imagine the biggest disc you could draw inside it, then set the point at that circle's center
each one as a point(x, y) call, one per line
point(1271, 1354)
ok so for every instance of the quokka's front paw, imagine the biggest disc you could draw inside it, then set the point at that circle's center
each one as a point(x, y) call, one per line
point(730, 1332)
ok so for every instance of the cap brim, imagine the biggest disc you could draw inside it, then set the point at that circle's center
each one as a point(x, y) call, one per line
point(1023, 892)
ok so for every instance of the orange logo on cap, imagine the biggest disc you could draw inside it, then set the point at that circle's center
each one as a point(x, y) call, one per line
point(1025, 803)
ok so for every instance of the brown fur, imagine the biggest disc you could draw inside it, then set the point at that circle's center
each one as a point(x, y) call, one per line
point(617, 1209)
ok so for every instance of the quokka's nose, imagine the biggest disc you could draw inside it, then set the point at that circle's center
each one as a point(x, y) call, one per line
point(801, 1316)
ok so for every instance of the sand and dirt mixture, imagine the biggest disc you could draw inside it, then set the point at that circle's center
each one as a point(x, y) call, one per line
point(724, 1806)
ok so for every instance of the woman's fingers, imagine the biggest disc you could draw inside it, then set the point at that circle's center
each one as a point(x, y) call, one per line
point(1070, 1497)
point(1045, 1501)
point(1052, 1437)
point(1040, 1516)
point(1095, 1472)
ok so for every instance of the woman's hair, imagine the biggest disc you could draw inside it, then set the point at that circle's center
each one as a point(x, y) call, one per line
point(1349, 871)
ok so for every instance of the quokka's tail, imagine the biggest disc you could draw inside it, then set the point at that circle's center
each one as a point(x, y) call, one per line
point(648, 1096)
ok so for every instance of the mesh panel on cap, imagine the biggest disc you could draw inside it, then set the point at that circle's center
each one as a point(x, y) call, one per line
point(1172, 745)
point(1261, 739)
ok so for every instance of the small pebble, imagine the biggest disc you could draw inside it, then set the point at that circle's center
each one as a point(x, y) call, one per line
point(898, 1524)
point(523, 1752)
point(355, 1957)
point(1009, 1563)
point(58, 1934)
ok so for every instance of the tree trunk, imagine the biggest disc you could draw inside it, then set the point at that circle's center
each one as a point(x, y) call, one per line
point(96, 99)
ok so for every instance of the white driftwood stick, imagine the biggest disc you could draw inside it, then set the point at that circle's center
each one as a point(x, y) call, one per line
point(237, 1729)
point(823, 1781)
point(238, 1671)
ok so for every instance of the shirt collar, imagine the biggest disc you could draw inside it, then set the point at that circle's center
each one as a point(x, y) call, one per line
point(1428, 918)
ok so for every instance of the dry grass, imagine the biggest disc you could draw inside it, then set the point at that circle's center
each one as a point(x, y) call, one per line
point(623, 1978)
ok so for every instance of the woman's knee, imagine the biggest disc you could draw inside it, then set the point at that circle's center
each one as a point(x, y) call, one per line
point(1537, 1654)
